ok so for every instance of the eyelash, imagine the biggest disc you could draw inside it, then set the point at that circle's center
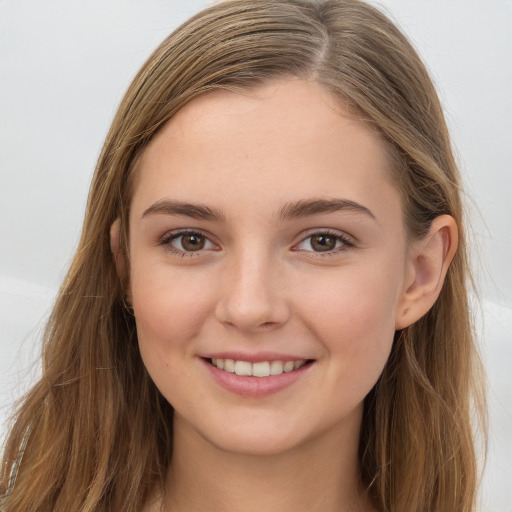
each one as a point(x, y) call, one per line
point(346, 242)
point(175, 235)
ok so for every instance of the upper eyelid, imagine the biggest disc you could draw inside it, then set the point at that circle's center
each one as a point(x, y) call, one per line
point(328, 231)
point(175, 233)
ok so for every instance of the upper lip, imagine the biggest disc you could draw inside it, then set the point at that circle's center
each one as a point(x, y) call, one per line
point(255, 357)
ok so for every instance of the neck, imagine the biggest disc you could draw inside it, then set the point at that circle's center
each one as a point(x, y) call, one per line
point(319, 475)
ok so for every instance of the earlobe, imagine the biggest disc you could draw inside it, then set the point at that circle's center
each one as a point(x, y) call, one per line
point(428, 262)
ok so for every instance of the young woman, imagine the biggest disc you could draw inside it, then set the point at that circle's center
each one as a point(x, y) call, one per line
point(268, 305)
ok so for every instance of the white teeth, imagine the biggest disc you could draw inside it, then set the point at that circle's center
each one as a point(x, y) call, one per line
point(243, 368)
point(260, 369)
point(276, 368)
point(288, 366)
point(229, 365)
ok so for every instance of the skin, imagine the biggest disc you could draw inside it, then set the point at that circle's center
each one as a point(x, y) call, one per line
point(260, 284)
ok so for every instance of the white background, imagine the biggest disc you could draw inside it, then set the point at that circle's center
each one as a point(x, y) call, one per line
point(64, 66)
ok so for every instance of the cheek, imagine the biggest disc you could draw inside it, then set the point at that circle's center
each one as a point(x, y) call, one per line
point(170, 312)
point(169, 309)
point(355, 322)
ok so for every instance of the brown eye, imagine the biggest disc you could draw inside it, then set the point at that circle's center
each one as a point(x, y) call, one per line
point(323, 242)
point(192, 242)
point(187, 243)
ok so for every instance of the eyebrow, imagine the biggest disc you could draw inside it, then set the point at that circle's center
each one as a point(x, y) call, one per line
point(195, 211)
point(293, 210)
point(307, 207)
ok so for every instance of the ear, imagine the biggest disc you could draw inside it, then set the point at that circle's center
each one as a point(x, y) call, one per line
point(428, 262)
point(118, 256)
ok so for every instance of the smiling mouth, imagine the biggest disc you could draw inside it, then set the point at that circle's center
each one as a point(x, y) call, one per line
point(259, 369)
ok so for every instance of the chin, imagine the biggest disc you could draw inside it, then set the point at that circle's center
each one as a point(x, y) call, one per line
point(267, 433)
point(258, 443)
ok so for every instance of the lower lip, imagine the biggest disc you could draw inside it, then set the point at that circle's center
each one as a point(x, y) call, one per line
point(255, 386)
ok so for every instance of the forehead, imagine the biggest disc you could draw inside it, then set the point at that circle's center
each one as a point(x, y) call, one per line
point(287, 140)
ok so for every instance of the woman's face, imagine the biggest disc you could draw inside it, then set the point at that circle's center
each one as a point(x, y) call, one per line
point(267, 265)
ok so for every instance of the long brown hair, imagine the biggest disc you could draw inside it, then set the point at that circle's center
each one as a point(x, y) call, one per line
point(94, 434)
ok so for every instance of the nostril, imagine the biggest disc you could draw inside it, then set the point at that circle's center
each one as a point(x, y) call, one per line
point(249, 311)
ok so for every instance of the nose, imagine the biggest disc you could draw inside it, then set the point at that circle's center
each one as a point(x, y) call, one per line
point(252, 295)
